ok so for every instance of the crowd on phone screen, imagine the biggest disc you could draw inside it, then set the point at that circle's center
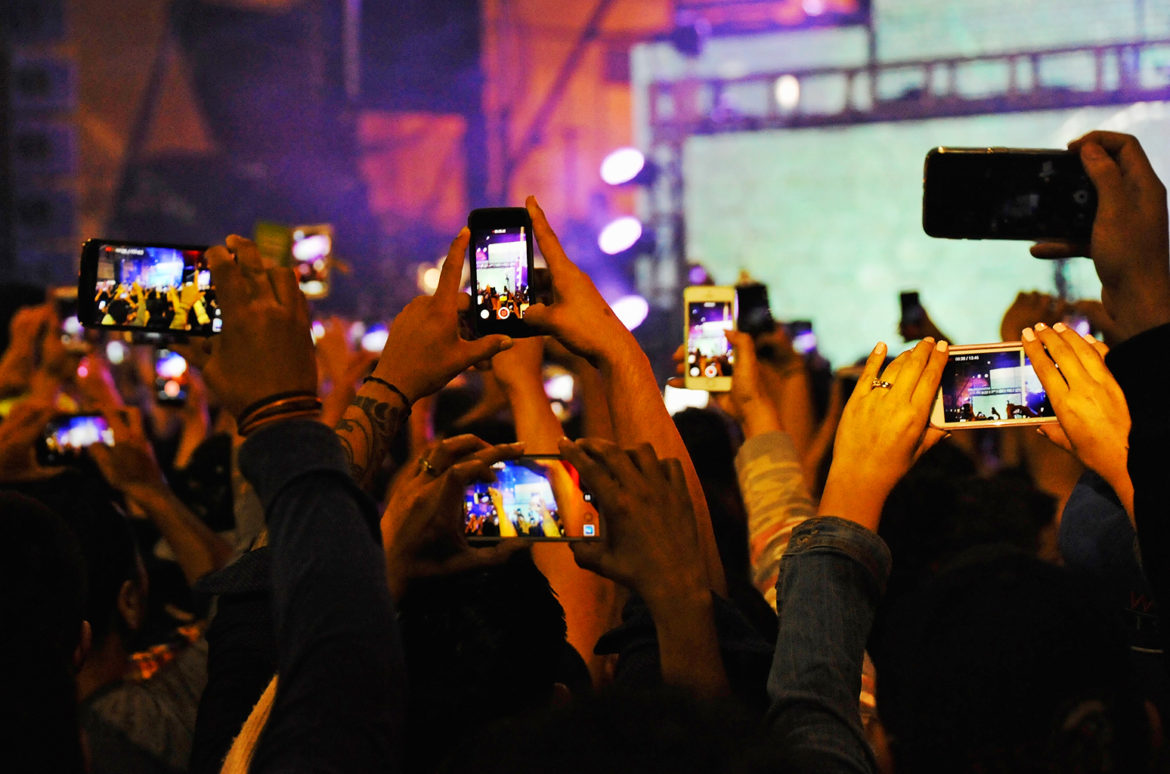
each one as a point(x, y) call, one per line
point(276, 575)
point(505, 303)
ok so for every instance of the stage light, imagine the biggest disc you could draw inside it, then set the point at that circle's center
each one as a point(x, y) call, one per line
point(317, 330)
point(813, 7)
point(374, 339)
point(787, 92)
point(631, 310)
point(622, 165)
point(620, 235)
point(697, 275)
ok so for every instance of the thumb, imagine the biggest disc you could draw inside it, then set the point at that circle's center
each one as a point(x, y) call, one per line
point(483, 349)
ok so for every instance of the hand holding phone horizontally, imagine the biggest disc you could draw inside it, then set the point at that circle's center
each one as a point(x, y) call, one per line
point(67, 436)
point(160, 289)
point(990, 385)
point(535, 497)
point(711, 313)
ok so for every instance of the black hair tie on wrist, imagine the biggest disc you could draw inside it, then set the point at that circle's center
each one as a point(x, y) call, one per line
point(254, 407)
point(391, 387)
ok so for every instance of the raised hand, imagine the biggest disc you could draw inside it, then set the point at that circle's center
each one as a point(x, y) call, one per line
point(578, 316)
point(1088, 401)
point(883, 430)
point(1028, 309)
point(424, 350)
point(1130, 246)
point(422, 527)
point(265, 347)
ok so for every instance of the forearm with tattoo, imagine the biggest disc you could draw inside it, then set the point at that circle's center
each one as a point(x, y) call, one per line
point(368, 427)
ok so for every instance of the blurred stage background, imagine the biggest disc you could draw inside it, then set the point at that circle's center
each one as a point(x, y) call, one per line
point(784, 138)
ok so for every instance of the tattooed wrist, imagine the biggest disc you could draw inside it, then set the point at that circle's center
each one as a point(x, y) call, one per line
point(366, 430)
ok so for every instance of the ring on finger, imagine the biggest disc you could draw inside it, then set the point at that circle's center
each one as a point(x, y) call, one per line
point(880, 383)
point(426, 467)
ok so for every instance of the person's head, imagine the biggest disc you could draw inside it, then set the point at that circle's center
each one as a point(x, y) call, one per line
point(116, 603)
point(1007, 663)
point(479, 645)
point(45, 637)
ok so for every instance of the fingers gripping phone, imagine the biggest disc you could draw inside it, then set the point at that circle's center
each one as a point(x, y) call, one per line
point(66, 437)
point(535, 497)
point(990, 385)
point(710, 314)
point(162, 289)
point(501, 267)
point(1007, 193)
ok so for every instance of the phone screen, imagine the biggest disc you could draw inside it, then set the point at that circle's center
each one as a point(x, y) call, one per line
point(992, 386)
point(154, 289)
point(755, 314)
point(65, 438)
point(312, 253)
point(804, 340)
point(709, 353)
point(501, 253)
point(1007, 194)
point(535, 497)
point(171, 376)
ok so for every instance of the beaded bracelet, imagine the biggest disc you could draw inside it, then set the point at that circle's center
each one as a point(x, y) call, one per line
point(392, 388)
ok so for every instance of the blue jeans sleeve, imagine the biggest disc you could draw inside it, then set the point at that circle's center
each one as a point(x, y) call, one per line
point(831, 579)
point(341, 680)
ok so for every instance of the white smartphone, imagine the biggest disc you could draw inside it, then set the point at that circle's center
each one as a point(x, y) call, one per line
point(710, 314)
point(990, 385)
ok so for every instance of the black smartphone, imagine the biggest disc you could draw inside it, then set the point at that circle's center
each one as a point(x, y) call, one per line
point(501, 257)
point(1007, 193)
point(67, 436)
point(152, 288)
point(755, 313)
point(65, 307)
point(536, 497)
point(171, 377)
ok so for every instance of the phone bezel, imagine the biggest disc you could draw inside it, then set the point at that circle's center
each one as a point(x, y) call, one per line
point(486, 219)
point(699, 294)
point(87, 282)
point(531, 538)
point(938, 415)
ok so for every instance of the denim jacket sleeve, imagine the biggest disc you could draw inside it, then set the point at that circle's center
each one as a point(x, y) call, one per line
point(340, 694)
point(831, 579)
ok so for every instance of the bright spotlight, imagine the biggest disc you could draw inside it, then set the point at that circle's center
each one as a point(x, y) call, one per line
point(631, 310)
point(787, 92)
point(620, 235)
point(622, 166)
point(813, 7)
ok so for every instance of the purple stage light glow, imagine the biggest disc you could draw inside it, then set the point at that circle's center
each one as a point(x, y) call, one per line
point(622, 165)
point(631, 310)
point(620, 235)
point(697, 275)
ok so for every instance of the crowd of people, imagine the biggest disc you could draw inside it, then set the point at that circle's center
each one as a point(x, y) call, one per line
point(807, 576)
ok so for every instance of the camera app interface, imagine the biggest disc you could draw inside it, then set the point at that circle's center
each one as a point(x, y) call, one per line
point(170, 375)
point(992, 387)
point(156, 289)
point(708, 350)
point(501, 277)
point(533, 498)
point(67, 437)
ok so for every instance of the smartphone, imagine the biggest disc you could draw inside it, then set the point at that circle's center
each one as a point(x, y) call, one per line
point(755, 313)
point(990, 385)
point(171, 377)
point(65, 307)
point(1007, 193)
point(711, 313)
point(67, 436)
point(679, 399)
point(800, 333)
point(501, 264)
point(312, 258)
point(159, 289)
point(536, 497)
